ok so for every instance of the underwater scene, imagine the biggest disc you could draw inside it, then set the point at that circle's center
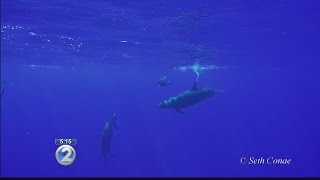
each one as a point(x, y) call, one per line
point(162, 88)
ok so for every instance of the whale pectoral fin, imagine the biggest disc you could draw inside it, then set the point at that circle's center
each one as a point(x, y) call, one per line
point(179, 111)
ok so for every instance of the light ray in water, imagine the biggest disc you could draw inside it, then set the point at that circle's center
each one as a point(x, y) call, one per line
point(197, 68)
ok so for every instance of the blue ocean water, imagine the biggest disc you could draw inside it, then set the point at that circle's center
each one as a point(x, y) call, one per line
point(75, 63)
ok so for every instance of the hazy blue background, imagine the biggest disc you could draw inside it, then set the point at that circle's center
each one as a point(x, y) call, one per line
point(75, 63)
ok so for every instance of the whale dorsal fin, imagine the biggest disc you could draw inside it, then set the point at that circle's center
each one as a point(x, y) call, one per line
point(194, 87)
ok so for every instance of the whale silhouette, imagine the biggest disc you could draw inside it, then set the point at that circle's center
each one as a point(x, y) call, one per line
point(188, 98)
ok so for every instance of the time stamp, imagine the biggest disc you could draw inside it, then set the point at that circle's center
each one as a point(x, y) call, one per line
point(65, 153)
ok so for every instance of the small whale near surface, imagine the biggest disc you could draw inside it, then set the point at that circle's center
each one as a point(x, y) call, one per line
point(4, 85)
point(162, 82)
point(188, 98)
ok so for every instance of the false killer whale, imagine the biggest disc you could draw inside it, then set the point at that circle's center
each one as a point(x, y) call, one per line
point(107, 136)
point(188, 98)
point(4, 85)
point(162, 82)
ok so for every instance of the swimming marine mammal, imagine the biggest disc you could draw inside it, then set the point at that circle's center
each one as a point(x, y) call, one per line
point(162, 82)
point(188, 98)
point(4, 85)
point(107, 136)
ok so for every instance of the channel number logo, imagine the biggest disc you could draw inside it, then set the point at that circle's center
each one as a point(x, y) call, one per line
point(65, 155)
